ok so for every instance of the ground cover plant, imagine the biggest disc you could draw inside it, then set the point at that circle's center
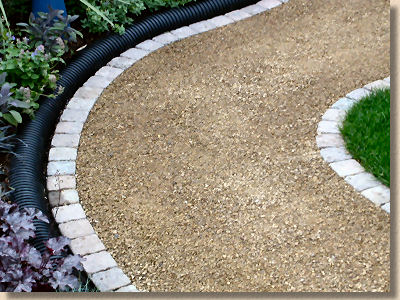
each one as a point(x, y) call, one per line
point(366, 132)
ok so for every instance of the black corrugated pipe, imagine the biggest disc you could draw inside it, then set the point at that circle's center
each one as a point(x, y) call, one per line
point(27, 167)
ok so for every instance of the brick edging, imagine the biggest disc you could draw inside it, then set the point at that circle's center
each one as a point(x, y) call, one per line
point(333, 151)
point(61, 169)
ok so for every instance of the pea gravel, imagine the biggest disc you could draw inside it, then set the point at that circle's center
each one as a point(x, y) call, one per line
point(198, 166)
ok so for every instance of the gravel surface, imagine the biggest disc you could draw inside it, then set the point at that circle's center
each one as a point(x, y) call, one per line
point(198, 166)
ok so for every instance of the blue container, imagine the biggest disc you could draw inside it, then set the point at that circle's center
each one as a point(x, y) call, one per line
point(43, 6)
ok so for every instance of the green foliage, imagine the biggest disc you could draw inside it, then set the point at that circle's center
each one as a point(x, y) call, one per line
point(120, 12)
point(366, 132)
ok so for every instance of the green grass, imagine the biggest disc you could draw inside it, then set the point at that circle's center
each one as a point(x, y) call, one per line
point(366, 132)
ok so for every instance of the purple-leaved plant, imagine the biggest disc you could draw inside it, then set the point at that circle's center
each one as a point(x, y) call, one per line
point(22, 267)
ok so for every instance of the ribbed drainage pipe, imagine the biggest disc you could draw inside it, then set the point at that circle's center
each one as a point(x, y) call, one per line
point(27, 174)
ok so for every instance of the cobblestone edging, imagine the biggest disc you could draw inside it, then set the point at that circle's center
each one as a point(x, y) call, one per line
point(333, 150)
point(61, 169)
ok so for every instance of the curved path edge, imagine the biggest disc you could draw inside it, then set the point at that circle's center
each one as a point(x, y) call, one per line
point(63, 197)
point(333, 150)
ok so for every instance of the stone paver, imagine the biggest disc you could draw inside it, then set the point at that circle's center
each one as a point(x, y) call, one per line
point(328, 127)
point(268, 4)
point(62, 153)
point(72, 115)
point(332, 114)
point(97, 262)
point(68, 213)
point(77, 228)
point(202, 26)
point(61, 168)
point(121, 62)
point(183, 32)
point(238, 15)
point(347, 167)
point(55, 183)
point(149, 45)
point(135, 53)
point(81, 104)
point(386, 207)
point(220, 21)
point(378, 84)
point(97, 82)
point(387, 79)
point(165, 38)
point(109, 72)
point(253, 9)
point(110, 280)
point(128, 289)
point(87, 244)
point(329, 140)
point(379, 194)
point(344, 104)
point(358, 94)
point(362, 181)
point(65, 140)
point(69, 127)
point(333, 154)
point(87, 92)
point(64, 197)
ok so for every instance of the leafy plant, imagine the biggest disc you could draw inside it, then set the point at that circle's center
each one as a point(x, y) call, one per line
point(52, 30)
point(22, 267)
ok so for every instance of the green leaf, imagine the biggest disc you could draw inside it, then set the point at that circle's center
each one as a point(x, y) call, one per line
point(10, 119)
point(16, 115)
point(97, 11)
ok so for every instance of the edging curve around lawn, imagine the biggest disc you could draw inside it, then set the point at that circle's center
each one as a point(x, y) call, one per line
point(333, 151)
point(61, 169)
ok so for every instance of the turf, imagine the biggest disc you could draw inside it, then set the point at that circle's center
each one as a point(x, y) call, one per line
point(366, 132)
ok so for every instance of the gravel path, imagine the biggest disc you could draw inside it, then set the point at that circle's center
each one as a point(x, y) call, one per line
point(198, 166)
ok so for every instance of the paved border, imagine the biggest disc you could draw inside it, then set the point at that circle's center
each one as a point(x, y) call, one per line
point(333, 151)
point(61, 169)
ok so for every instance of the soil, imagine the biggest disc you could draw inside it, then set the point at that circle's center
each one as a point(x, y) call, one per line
point(198, 166)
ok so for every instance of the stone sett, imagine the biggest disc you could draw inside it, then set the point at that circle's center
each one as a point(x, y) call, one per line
point(238, 15)
point(62, 153)
point(329, 140)
point(121, 62)
point(333, 154)
point(128, 289)
point(86, 92)
point(69, 127)
point(135, 53)
point(65, 140)
point(344, 104)
point(253, 9)
point(378, 84)
point(336, 115)
point(362, 181)
point(358, 94)
point(387, 79)
point(328, 127)
point(110, 280)
point(220, 21)
point(65, 197)
point(81, 104)
point(97, 81)
point(202, 26)
point(386, 207)
point(53, 197)
point(77, 228)
point(183, 32)
point(97, 262)
point(268, 4)
point(165, 38)
point(347, 167)
point(61, 168)
point(68, 213)
point(149, 45)
point(109, 72)
point(55, 183)
point(87, 244)
point(73, 115)
point(379, 194)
